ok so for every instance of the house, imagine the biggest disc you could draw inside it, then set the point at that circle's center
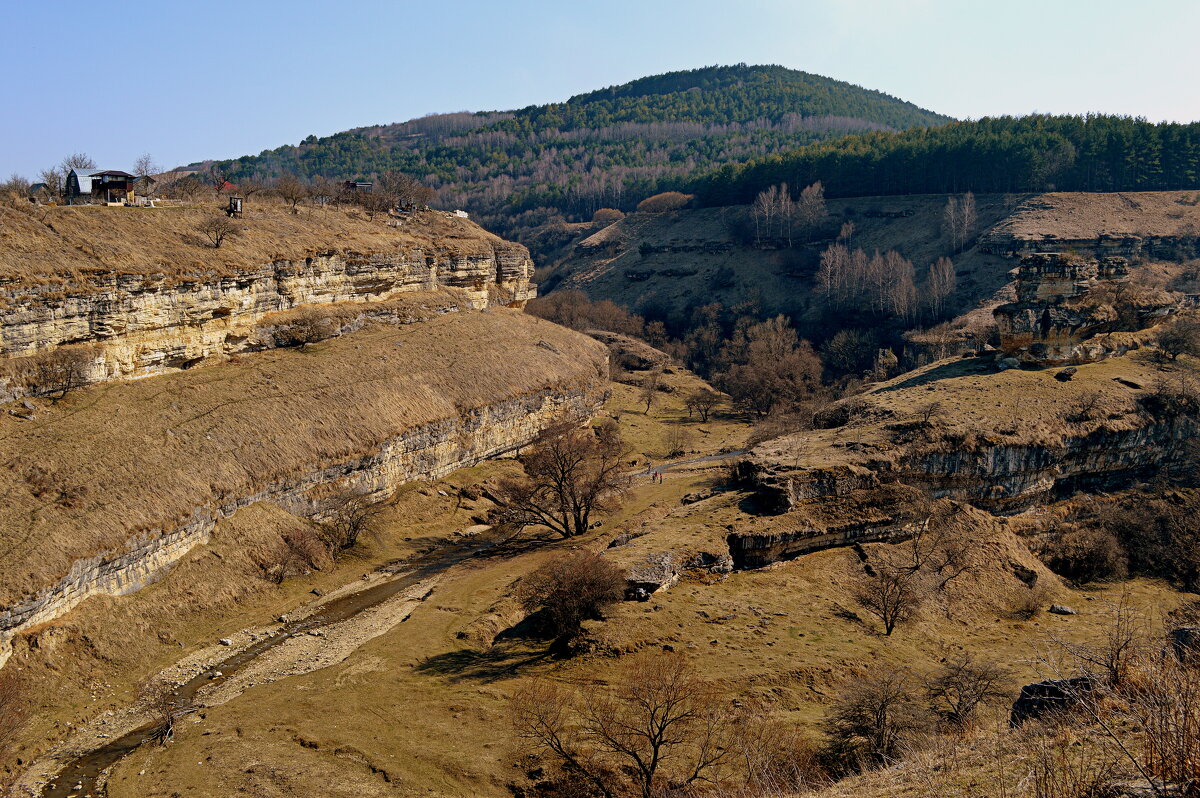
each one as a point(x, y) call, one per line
point(358, 185)
point(101, 185)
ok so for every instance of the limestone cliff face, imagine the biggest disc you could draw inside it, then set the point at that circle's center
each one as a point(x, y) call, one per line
point(1066, 303)
point(425, 452)
point(990, 472)
point(142, 325)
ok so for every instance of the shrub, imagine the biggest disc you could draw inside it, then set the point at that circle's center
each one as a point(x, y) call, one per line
point(571, 590)
point(666, 201)
point(1085, 554)
point(1181, 337)
point(607, 216)
point(871, 720)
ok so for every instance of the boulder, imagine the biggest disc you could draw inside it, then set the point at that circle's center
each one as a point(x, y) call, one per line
point(1053, 695)
point(1058, 609)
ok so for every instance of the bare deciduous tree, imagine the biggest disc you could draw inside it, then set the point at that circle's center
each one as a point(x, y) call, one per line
point(63, 370)
point(570, 473)
point(77, 160)
point(940, 285)
point(961, 684)
point(648, 392)
point(217, 229)
point(703, 402)
point(348, 516)
point(871, 719)
point(291, 191)
point(659, 727)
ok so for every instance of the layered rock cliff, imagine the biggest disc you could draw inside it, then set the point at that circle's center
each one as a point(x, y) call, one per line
point(1065, 304)
point(139, 313)
point(107, 488)
point(1003, 442)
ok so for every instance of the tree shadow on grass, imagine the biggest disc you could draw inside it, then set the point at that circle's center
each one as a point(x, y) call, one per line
point(494, 664)
point(946, 371)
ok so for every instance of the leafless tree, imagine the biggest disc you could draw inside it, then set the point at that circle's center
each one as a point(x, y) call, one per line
point(347, 517)
point(959, 218)
point(571, 590)
point(1181, 337)
point(144, 166)
point(63, 370)
point(402, 190)
point(570, 473)
point(702, 402)
point(659, 728)
point(961, 684)
point(77, 160)
point(810, 209)
point(940, 285)
point(898, 578)
point(53, 179)
point(677, 441)
point(291, 191)
point(217, 229)
point(872, 718)
point(649, 387)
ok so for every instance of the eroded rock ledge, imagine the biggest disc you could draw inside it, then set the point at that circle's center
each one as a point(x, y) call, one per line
point(109, 488)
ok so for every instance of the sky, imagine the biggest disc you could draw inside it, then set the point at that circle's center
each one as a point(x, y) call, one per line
point(185, 81)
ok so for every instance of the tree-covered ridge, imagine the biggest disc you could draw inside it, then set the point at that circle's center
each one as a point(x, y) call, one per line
point(612, 147)
point(743, 93)
point(1004, 154)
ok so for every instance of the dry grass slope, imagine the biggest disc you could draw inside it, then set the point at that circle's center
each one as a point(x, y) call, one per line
point(84, 475)
point(70, 247)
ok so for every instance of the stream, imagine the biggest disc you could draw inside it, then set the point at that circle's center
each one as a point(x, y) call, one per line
point(84, 775)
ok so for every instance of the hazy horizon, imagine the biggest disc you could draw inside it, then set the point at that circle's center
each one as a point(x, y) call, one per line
point(183, 92)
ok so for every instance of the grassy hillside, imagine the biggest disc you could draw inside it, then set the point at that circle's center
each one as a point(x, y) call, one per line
point(610, 147)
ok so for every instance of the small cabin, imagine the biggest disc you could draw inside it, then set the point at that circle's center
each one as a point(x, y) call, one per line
point(100, 185)
point(358, 185)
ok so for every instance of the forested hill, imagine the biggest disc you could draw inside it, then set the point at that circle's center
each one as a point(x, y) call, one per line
point(1000, 155)
point(610, 147)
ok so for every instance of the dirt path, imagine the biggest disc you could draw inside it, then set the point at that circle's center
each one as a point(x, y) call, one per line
point(315, 636)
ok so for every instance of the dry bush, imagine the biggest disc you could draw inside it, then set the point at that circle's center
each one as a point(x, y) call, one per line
point(1084, 554)
point(305, 327)
point(58, 371)
point(571, 590)
point(1060, 766)
point(1106, 659)
point(166, 708)
point(216, 229)
point(1181, 337)
point(960, 685)
point(606, 216)
point(1160, 536)
point(664, 202)
point(678, 441)
point(872, 720)
point(1025, 603)
point(346, 518)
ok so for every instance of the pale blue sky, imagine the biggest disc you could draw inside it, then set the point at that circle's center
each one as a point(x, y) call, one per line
point(219, 79)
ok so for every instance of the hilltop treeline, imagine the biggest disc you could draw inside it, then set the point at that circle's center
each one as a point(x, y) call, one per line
point(1001, 155)
point(608, 148)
